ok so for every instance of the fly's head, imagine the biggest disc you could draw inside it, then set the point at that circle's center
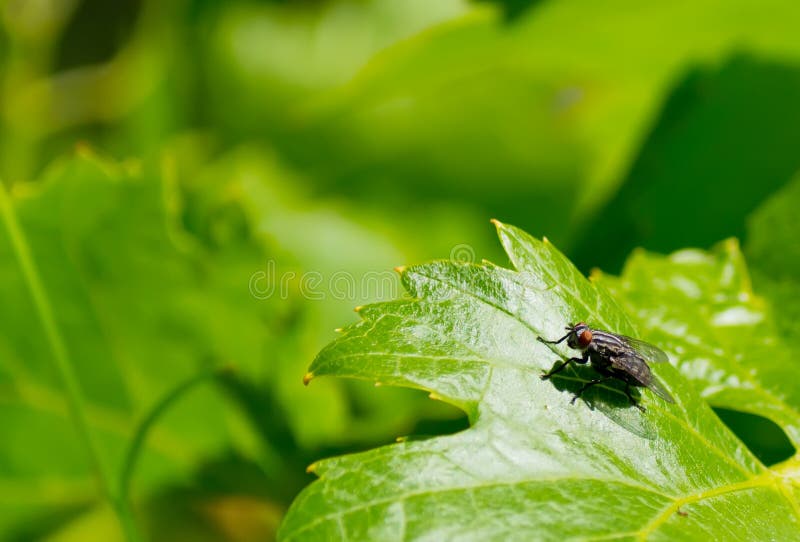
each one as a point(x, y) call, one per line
point(580, 336)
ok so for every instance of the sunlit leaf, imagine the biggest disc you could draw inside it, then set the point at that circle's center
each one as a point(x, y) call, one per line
point(773, 252)
point(531, 464)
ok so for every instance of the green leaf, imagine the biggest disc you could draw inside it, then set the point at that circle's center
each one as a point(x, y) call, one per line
point(531, 465)
point(699, 306)
point(773, 250)
point(773, 246)
point(138, 307)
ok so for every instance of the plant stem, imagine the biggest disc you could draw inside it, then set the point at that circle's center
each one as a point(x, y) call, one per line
point(63, 365)
point(139, 438)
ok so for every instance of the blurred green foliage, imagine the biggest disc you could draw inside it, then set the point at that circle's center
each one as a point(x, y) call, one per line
point(160, 155)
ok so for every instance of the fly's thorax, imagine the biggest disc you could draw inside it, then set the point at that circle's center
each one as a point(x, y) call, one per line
point(607, 344)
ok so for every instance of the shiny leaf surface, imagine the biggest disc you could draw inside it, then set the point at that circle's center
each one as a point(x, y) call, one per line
point(531, 464)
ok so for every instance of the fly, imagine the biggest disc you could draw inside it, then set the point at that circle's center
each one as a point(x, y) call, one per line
point(614, 357)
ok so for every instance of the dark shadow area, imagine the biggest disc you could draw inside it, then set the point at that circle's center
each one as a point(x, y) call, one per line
point(430, 428)
point(96, 32)
point(512, 9)
point(725, 140)
point(192, 512)
point(268, 417)
point(419, 419)
point(763, 437)
point(611, 392)
point(283, 483)
point(608, 399)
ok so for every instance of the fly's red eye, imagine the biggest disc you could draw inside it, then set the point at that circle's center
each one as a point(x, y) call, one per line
point(585, 337)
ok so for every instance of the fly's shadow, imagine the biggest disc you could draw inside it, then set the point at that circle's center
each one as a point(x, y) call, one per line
point(575, 378)
point(608, 397)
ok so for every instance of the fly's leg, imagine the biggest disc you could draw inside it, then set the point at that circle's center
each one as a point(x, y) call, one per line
point(545, 341)
point(588, 385)
point(581, 360)
point(633, 401)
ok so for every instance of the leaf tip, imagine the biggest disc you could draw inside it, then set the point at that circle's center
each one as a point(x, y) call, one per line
point(497, 224)
point(307, 378)
point(731, 244)
point(311, 469)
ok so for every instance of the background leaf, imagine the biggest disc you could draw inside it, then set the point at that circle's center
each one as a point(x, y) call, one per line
point(700, 307)
point(773, 250)
point(106, 302)
point(695, 155)
point(148, 274)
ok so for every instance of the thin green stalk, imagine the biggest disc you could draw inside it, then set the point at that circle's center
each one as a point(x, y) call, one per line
point(64, 367)
point(140, 437)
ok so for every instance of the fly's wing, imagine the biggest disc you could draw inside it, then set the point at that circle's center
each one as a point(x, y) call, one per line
point(658, 388)
point(650, 353)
